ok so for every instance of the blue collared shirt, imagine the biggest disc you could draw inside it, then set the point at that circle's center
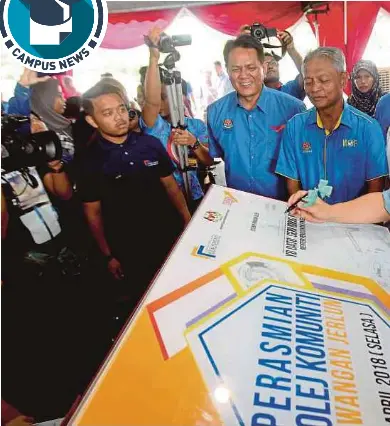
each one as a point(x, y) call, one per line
point(162, 130)
point(382, 113)
point(294, 88)
point(248, 141)
point(386, 199)
point(352, 154)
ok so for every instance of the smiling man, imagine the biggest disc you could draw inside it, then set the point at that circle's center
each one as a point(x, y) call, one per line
point(332, 141)
point(245, 126)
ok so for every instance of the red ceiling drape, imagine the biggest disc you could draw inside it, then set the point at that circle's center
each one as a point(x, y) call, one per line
point(361, 17)
point(227, 18)
point(126, 30)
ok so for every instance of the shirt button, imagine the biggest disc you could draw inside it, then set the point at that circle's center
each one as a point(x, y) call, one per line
point(250, 116)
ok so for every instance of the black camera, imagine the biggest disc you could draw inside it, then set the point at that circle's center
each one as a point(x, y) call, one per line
point(20, 148)
point(133, 113)
point(260, 32)
point(168, 44)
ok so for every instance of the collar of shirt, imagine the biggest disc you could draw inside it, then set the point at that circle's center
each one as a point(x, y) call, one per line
point(344, 119)
point(261, 103)
point(108, 146)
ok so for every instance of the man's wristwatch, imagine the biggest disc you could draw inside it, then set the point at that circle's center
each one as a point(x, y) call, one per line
point(108, 258)
point(196, 145)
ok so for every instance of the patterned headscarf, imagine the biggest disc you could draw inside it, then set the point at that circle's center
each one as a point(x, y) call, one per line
point(365, 102)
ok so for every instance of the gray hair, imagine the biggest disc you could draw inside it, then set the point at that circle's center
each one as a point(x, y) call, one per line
point(335, 55)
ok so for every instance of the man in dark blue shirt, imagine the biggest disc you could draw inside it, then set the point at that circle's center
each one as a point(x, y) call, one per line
point(133, 205)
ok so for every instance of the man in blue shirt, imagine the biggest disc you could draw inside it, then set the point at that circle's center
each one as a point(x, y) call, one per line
point(155, 121)
point(245, 126)
point(272, 79)
point(333, 141)
point(382, 113)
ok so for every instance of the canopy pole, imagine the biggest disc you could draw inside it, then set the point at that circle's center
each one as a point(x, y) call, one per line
point(345, 23)
point(317, 30)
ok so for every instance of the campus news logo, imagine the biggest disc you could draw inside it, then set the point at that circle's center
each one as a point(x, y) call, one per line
point(52, 36)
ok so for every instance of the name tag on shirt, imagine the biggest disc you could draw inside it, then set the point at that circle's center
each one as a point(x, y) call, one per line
point(149, 163)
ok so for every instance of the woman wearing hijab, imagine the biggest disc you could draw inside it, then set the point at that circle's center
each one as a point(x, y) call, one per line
point(48, 104)
point(366, 89)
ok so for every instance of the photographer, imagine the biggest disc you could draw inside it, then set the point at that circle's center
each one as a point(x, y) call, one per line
point(34, 260)
point(272, 78)
point(156, 121)
point(28, 218)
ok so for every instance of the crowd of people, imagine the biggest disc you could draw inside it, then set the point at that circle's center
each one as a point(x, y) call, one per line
point(98, 223)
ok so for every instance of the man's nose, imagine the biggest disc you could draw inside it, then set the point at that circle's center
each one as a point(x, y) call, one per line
point(243, 73)
point(316, 86)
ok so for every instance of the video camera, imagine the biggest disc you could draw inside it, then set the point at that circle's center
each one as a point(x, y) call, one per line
point(20, 148)
point(168, 44)
point(260, 32)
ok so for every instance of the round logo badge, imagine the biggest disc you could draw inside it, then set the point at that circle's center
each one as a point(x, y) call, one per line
point(51, 36)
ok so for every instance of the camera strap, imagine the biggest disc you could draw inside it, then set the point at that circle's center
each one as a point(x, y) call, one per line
point(275, 56)
point(282, 46)
point(149, 42)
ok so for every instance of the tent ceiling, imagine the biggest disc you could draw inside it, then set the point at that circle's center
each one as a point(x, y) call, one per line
point(131, 6)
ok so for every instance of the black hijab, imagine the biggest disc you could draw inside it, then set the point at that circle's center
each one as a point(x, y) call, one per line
point(365, 102)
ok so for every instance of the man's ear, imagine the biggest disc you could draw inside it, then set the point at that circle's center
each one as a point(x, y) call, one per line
point(344, 79)
point(90, 120)
point(265, 67)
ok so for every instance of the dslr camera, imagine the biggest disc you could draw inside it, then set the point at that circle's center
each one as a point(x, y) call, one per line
point(260, 32)
point(20, 148)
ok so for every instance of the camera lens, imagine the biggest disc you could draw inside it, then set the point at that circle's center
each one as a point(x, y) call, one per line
point(132, 114)
point(259, 33)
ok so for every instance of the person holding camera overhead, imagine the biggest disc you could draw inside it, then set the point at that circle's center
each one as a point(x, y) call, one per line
point(155, 121)
point(245, 126)
point(272, 78)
